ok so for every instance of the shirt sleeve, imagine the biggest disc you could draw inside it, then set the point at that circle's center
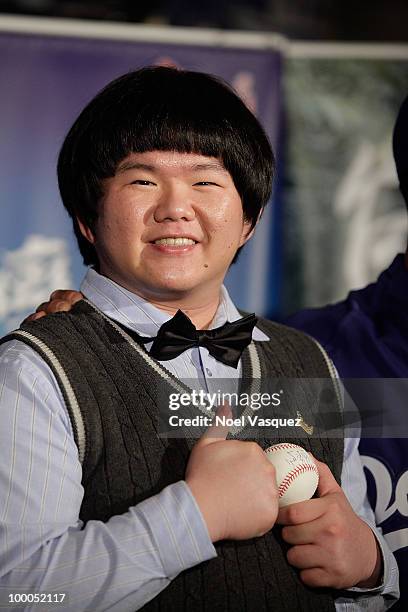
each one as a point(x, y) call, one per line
point(353, 483)
point(44, 547)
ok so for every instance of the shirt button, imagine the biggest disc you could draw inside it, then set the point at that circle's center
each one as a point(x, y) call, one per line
point(209, 373)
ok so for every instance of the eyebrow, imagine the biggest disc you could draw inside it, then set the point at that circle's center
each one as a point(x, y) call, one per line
point(134, 166)
point(125, 166)
point(217, 166)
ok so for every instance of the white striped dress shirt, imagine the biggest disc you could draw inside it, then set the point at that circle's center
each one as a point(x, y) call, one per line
point(121, 564)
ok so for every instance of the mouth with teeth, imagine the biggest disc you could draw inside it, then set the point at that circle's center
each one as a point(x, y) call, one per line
point(174, 245)
point(175, 241)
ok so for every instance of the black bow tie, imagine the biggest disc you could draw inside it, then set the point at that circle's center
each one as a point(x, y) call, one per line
point(226, 343)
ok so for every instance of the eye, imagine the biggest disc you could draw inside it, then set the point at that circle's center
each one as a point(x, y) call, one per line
point(141, 182)
point(205, 183)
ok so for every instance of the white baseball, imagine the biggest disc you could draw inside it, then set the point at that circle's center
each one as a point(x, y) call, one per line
point(297, 475)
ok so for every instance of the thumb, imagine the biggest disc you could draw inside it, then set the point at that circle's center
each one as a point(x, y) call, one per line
point(217, 430)
point(327, 482)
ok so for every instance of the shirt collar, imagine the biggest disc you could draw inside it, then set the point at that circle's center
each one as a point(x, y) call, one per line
point(136, 313)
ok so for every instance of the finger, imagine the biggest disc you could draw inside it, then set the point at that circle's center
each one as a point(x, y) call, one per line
point(217, 430)
point(307, 533)
point(66, 295)
point(327, 482)
point(58, 306)
point(302, 512)
point(53, 306)
point(35, 316)
point(316, 577)
point(42, 307)
point(307, 556)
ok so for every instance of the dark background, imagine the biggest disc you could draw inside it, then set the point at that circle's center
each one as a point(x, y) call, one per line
point(335, 20)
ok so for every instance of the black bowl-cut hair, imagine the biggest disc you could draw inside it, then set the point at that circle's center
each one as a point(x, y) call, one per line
point(167, 109)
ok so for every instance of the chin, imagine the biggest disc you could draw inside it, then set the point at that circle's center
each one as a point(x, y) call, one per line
point(175, 289)
point(175, 282)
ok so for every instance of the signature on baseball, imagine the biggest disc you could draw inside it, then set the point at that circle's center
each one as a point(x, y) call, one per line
point(297, 475)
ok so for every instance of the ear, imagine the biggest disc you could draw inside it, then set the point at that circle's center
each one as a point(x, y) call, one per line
point(86, 231)
point(247, 232)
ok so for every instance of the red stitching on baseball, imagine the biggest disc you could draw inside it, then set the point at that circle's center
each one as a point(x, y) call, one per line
point(282, 445)
point(287, 481)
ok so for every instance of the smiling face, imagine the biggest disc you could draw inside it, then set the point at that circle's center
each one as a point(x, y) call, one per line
point(169, 225)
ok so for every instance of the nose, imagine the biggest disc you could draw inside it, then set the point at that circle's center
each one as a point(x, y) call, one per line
point(175, 204)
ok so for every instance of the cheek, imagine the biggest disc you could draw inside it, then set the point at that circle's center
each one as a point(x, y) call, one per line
point(226, 214)
point(121, 226)
point(227, 229)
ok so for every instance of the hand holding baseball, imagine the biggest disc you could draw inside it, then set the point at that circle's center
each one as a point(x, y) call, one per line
point(234, 485)
point(331, 545)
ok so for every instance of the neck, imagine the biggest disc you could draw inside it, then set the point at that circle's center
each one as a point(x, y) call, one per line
point(200, 314)
point(200, 306)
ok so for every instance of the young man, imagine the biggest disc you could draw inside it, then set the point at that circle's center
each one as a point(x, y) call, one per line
point(165, 175)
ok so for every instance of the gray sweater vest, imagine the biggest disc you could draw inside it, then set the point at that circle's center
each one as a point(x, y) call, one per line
point(110, 390)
